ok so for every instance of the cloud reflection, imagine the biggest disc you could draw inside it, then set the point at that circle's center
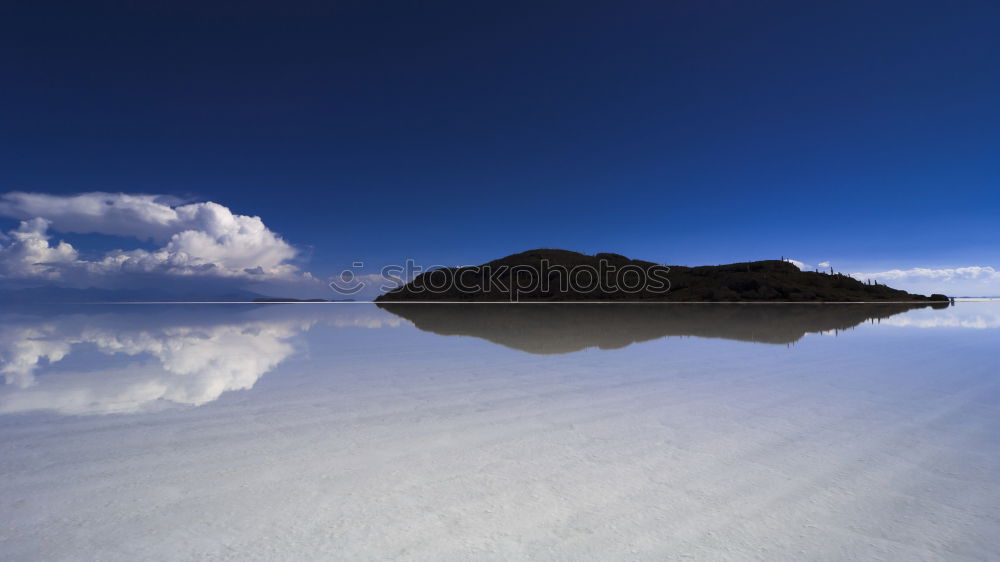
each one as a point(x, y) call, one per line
point(160, 355)
point(983, 321)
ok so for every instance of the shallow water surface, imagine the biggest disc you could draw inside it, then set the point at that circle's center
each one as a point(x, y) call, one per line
point(468, 432)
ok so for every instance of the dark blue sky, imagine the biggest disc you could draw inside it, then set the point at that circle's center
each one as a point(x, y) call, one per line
point(866, 133)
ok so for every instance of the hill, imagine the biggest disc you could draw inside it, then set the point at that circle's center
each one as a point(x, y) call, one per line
point(562, 275)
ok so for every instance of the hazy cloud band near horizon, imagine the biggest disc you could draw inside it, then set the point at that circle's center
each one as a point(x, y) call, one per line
point(973, 280)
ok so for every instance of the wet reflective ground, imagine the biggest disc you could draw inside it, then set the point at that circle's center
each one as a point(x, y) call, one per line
point(457, 432)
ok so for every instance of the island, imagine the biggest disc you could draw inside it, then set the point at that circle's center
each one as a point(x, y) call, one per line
point(550, 275)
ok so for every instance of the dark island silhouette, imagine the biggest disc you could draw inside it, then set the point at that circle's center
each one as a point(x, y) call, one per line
point(541, 275)
point(551, 329)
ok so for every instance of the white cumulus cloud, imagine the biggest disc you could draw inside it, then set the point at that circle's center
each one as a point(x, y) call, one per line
point(28, 254)
point(120, 214)
point(196, 239)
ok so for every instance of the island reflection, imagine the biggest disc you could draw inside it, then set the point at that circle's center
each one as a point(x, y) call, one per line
point(566, 328)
